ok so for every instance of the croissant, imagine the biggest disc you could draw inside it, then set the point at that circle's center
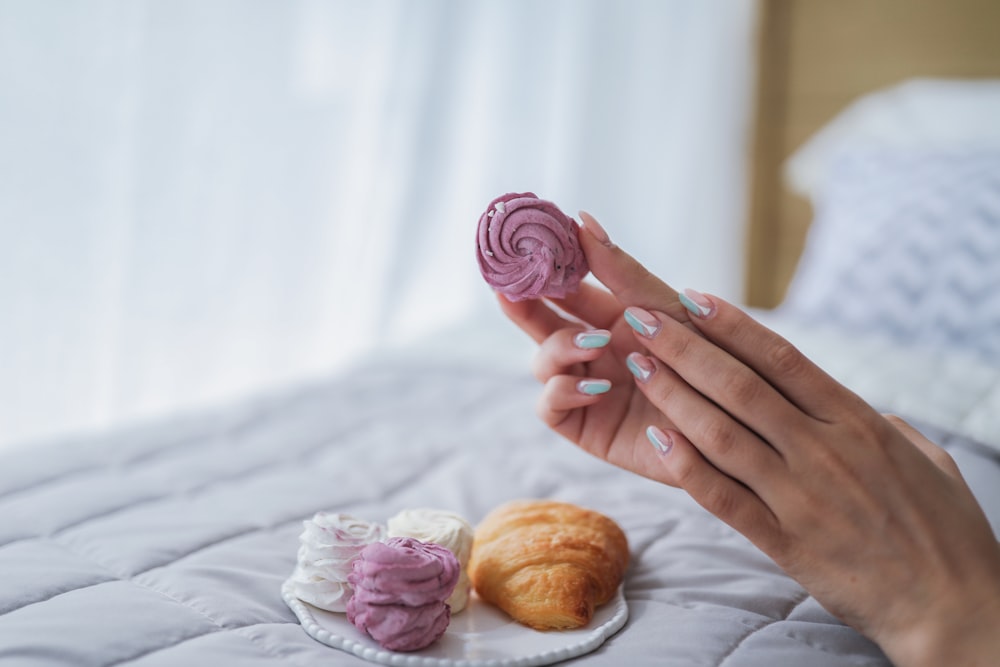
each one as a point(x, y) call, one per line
point(547, 564)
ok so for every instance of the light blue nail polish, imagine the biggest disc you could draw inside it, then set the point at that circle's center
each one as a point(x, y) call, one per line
point(696, 309)
point(634, 323)
point(689, 304)
point(645, 324)
point(589, 340)
point(639, 371)
point(660, 440)
point(593, 387)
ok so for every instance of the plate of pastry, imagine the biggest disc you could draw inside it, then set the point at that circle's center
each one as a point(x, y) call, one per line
point(481, 635)
point(536, 582)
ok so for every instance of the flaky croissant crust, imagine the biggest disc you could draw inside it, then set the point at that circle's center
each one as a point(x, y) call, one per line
point(548, 564)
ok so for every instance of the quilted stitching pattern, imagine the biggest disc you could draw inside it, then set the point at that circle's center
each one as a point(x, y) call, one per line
point(168, 545)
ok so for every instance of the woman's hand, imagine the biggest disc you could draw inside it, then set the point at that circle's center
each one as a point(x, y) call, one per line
point(870, 517)
point(585, 339)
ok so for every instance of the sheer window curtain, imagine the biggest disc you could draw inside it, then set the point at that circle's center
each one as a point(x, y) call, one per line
point(205, 199)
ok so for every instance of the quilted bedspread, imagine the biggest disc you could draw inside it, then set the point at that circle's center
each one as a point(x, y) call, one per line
point(167, 544)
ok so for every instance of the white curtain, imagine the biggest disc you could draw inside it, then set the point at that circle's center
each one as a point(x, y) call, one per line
point(204, 199)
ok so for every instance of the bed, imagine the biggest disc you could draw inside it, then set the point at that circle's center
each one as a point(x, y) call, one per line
point(168, 543)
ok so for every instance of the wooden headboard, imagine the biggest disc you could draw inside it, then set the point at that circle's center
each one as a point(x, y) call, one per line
point(815, 57)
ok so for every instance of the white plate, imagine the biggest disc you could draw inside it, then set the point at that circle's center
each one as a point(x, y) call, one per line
point(479, 636)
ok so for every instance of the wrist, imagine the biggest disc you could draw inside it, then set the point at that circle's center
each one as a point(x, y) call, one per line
point(962, 631)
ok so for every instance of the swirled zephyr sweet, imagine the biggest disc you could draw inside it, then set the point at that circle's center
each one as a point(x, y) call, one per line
point(400, 588)
point(329, 545)
point(528, 249)
point(446, 529)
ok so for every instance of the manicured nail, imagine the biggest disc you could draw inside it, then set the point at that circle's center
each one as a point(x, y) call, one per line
point(640, 365)
point(697, 303)
point(593, 387)
point(594, 227)
point(642, 321)
point(594, 338)
point(659, 439)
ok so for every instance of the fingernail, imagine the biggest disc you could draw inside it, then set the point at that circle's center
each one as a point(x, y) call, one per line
point(589, 340)
point(659, 439)
point(593, 387)
point(642, 321)
point(594, 227)
point(640, 366)
point(697, 303)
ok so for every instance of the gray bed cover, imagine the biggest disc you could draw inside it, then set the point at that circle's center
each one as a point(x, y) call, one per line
point(168, 544)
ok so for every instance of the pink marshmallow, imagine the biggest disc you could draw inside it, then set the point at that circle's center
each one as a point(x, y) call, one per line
point(400, 588)
point(528, 249)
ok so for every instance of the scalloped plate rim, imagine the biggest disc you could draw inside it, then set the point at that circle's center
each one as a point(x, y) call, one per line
point(610, 618)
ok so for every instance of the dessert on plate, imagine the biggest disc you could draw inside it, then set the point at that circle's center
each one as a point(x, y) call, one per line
point(328, 546)
point(446, 529)
point(400, 587)
point(548, 564)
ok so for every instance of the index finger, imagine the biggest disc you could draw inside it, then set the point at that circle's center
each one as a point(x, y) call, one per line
point(630, 282)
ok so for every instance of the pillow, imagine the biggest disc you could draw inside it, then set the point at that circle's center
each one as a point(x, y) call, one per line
point(918, 114)
point(905, 244)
